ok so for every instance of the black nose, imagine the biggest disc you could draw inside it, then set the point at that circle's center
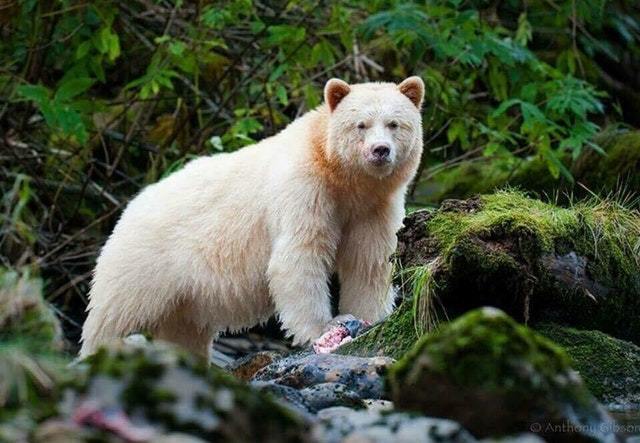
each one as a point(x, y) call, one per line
point(381, 151)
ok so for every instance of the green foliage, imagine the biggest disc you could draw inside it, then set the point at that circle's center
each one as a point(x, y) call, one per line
point(60, 110)
point(526, 103)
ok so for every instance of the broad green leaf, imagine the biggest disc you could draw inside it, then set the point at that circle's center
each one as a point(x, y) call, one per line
point(281, 93)
point(72, 88)
point(36, 93)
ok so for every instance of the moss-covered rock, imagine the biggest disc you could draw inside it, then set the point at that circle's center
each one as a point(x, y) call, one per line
point(609, 367)
point(619, 168)
point(171, 391)
point(576, 266)
point(496, 377)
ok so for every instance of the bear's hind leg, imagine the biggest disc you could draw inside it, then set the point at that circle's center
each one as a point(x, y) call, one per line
point(178, 327)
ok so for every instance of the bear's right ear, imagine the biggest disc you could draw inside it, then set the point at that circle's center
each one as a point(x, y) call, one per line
point(334, 91)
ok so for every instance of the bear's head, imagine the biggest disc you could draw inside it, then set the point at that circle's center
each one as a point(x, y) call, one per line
point(375, 127)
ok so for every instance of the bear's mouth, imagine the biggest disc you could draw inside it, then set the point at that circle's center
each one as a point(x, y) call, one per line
point(379, 162)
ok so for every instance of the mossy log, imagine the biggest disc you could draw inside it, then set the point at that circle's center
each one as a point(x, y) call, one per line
point(574, 266)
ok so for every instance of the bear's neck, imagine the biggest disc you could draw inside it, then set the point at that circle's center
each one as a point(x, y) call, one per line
point(345, 183)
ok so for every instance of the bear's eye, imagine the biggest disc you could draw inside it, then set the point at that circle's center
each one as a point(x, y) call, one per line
point(361, 125)
point(393, 125)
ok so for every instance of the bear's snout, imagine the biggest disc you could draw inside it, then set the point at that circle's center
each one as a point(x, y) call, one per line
point(380, 154)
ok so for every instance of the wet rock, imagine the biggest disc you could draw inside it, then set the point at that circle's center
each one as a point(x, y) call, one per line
point(159, 387)
point(340, 424)
point(312, 399)
point(362, 376)
point(378, 405)
point(325, 395)
point(496, 378)
point(290, 397)
point(610, 367)
point(246, 367)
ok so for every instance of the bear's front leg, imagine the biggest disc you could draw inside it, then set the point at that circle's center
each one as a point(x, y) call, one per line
point(364, 269)
point(298, 283)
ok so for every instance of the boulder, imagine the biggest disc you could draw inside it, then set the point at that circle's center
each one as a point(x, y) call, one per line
point(154, 389)
point(497, 377)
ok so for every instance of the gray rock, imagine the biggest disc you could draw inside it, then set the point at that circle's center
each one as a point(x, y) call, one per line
point(362, 376)
point(325, 395)
point(340, 424)
point(312, 399)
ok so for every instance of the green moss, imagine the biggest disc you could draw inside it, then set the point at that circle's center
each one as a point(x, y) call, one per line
point(485, 349)
point(505, 212)
point(537, 261)
point(486, 358)
point(509, 251)
point(620, 167)
point(31, 364)
point(391, 338)
point(610, 367)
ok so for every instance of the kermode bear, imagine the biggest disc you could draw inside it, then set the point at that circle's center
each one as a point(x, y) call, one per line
point(233, 238)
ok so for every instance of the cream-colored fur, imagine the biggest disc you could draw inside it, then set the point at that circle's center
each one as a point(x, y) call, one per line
point(233, 238)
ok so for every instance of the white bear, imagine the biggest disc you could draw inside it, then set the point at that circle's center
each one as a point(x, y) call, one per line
point(233, 238)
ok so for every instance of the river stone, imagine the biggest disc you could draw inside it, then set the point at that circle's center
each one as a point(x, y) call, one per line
point(246, 367)
point(497, 377)
point(341, 424)
point(362, 376)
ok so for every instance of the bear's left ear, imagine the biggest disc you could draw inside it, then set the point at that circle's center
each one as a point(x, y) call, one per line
point(334, 91)
point(413, 88)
